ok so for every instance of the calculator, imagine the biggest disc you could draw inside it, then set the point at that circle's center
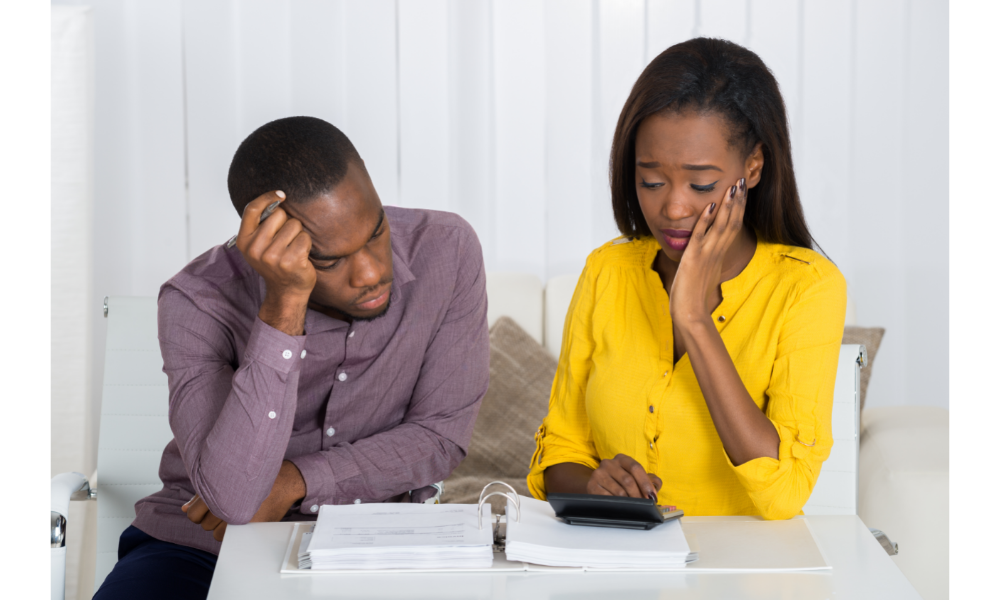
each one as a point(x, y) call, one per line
point(610, 511)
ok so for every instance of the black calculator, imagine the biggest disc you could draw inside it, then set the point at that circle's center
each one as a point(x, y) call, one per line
point(610, 511)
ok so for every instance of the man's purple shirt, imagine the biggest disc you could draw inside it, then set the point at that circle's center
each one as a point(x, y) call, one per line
point(366, 410)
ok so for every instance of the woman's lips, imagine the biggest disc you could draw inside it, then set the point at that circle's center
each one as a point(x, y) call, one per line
point(677, 239)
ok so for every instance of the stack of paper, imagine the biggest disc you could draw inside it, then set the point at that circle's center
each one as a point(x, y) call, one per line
point(399, 536)
point(541, 538)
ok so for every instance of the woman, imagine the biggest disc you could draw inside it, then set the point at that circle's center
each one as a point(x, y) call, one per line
point(700, 349)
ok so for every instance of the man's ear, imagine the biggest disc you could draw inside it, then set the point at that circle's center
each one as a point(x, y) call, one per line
point(754, 165)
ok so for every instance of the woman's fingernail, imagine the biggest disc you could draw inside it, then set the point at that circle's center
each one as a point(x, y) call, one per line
point(711, 208)
point(732, 192)
point(743, 183)
point(280, 194)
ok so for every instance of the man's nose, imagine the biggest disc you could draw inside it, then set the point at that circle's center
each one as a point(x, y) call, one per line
point(367, 270)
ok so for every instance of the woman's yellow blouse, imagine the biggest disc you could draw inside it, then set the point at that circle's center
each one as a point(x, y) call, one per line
point(618, 391)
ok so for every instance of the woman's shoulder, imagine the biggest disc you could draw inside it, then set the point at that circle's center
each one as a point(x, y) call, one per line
point(622, 251)
point(803, 266)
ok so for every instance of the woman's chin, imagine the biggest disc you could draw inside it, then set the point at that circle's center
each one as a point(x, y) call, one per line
point(672, 253)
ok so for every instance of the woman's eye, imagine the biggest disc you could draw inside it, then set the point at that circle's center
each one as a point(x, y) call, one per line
point(704, 188)
point(650, 186)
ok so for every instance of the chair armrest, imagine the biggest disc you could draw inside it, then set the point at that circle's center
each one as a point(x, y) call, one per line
point(65, 487)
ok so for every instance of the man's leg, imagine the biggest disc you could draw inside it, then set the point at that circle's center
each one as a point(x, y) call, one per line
point(152, 569)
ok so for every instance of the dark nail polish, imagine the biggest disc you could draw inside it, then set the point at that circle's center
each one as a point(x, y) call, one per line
point(711, 208)
point(732, 192)
point(743, 184)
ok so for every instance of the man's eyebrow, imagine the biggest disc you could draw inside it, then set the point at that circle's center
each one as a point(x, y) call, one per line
point(654, 165)
point(327, 258)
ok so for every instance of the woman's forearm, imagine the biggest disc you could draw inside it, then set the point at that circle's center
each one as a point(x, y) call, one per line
point(567, 478)
point(745, 431)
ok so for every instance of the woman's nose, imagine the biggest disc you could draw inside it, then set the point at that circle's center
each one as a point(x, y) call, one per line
point(675, 208)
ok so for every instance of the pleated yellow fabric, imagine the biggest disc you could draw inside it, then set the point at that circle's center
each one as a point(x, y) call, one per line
point(617, 389)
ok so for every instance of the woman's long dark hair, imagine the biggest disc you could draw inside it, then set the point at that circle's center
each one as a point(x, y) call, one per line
point(712, 75)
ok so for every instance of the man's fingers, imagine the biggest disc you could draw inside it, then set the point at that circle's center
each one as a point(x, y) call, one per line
point(256, 207)
point(210, 522)
point(219, 531)
point(259, 239)
point(284, 236)
point(196, 510)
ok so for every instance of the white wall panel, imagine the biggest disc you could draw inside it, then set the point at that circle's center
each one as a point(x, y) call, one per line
point(775, 36)
point(569, 118)
point(371, 117)
point(727, 19)
point(471, 119)
point(823, 158)
point(621, 57)
point(316, 59)
point(877, 202)
point(215, 107)
point(424, 104)
point(924, 212)
point(668, 22)
point(519, 100)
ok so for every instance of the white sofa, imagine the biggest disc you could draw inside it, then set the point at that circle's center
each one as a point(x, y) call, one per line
point(903, 463)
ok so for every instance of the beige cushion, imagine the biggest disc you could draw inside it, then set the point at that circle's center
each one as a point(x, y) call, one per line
point(870, 338)
point(521, 374)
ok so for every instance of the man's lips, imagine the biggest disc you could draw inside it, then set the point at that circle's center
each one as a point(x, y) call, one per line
point(376, 300)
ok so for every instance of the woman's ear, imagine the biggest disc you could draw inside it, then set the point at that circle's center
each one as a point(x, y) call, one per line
point(754, 165)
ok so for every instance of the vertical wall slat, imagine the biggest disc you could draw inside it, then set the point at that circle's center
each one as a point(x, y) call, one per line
point(214, 119)
point(470, 125)
point(725, 19)
point(569, 117)
point(519, 97)
point(316, 59)
point(823, 162)
point(876, 201)
point(621, 50)
point(668, 22)
point(424, 179)
point(371, 117)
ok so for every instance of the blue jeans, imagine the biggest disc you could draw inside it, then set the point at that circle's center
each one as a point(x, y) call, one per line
point(152, 569)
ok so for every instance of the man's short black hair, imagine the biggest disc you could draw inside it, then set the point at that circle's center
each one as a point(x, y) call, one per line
point(301, 156)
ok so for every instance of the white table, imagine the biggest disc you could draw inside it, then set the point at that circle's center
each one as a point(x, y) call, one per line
point(251, 554)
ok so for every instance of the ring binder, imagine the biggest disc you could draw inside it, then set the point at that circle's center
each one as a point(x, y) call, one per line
point(512, 496)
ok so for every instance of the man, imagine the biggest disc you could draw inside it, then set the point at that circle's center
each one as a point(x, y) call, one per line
point(337, 354)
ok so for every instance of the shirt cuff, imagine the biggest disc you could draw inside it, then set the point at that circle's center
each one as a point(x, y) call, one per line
point(273, 348)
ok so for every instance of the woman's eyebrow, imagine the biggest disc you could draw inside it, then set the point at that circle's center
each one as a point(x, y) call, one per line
point(656, 165)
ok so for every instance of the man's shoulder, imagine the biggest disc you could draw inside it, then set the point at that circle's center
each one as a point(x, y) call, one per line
point(219, 274)
point(422, 236)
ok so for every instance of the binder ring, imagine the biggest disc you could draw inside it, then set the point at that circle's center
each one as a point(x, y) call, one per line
point(514, 499)
point(506, 485)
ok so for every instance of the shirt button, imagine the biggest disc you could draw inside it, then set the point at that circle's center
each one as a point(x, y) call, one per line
point(330, 432)
point(342, 377)
point(665, 373)
point(650, 445)
point(286, 354)
point(314, 508)
point(650, 409)
point(303, 355)
point(357, 500)
point(722, 318)
point(350, 334)
point(272, 415)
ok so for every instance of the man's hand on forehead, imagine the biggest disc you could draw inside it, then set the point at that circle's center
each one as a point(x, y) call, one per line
point(278, 249)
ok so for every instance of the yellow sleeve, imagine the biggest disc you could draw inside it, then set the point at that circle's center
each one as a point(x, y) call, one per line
point(565, 434)
point(800, 399)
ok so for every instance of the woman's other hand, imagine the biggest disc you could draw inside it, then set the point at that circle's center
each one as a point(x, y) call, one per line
point(623, 476)
point(693, 293)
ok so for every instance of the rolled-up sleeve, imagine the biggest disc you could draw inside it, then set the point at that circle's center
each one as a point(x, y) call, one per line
point(231, 425)
point(436, 429)
point(800, 400)
point(565, 435)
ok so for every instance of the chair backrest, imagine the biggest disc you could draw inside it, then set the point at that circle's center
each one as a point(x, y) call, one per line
point(134, 428)
point(836, 490)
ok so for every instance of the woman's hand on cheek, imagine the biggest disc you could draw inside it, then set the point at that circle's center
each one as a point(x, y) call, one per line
point(700, 270)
